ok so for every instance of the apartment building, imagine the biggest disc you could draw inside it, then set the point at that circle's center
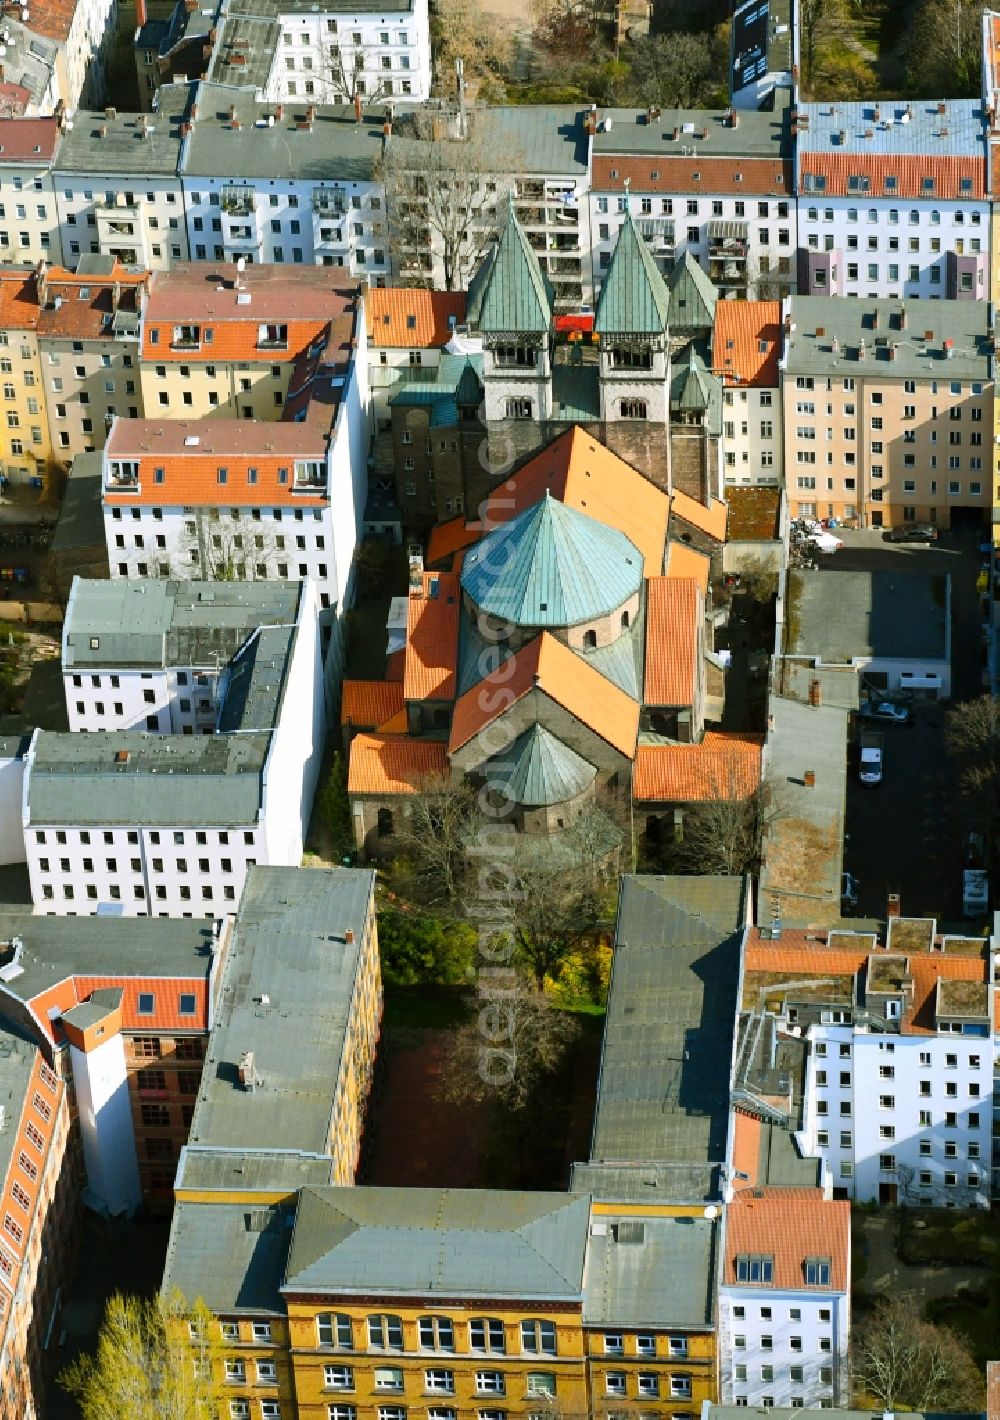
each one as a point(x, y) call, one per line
point(888, 408)
point(157, 655)
point(784, 1299)
point(169, 824)
point(746, 349)
point(764, 51)
point(408, 330)
point(991, 96)
point(117, 190)
point(892, 199)
point(284, 181)
point(25, 450)
point(37, 1195)
point(88, 344)
point(716, 184)
point(333, 53)
point(153, 985)
point(27, 207)
point(897, 1079)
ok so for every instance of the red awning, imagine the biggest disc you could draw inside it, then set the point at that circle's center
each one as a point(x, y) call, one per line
point(580, 322)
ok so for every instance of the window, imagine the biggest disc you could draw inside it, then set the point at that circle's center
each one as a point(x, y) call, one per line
point(614, 1383)
point(541, 1383)
point(648, 1384)
point(388, 1378)
point(490, 1383)
point(754, 1268)
point(436, 1333)
point(341, 1412)
point(538, 1337)
point(680, 1387)
point(439, 1382)
point(487, 1334)
point(817, 1272)
point(614, 1344)
point(385, 1333)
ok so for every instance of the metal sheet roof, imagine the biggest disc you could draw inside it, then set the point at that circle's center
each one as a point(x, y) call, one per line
point(510, 293)
point(229, 1254)
point(457, 1242)
point(552, 566)
point(693, 297)
point(537, 769)
point(634, 298)
point(655, 1272)
point(893, 126)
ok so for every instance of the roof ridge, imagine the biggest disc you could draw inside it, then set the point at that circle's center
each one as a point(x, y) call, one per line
point(634, 297)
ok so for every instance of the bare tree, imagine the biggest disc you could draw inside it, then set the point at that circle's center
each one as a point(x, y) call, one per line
point(348, 74)
point(433, 838)
point(478, 41)
point(900, 1361)
point(442, 188)
point(223, 548)
point(972, 736)
point(725, 833)
point(823, 24)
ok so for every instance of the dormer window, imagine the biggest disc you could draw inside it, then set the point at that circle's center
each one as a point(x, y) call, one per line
point(755, 1268)
point(273, 337)
point(817, 1271)
point(186, 337)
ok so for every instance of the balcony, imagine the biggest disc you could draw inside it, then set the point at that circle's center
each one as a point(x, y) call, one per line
point(123, 476)
point(186, 337)
point(310, 475)
point(238, 201)
point(330, 203)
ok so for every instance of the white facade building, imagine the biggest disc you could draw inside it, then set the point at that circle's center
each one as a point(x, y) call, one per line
point(28, 229)
point(892, 199)
point(746, 347)
point(330, 53)
point(167, 824)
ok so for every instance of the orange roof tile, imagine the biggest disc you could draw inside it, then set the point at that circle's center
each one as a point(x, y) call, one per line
point(448, 538)
point(551, 667)
point(746, 1148)
point(369, 703)
point(432, 639)
point(80, 307)
point(721, 767)
point(394, 764)
point(790, 1225)
point(166, 992)
point(686, 561)
point(397, 724)
point(801, 958)
point(746, 342)
point(698, 173)
point(19, 308)
point(409, 318)
point(908, 169)
point(674, 609)
point(395, 665)
point(711, 520)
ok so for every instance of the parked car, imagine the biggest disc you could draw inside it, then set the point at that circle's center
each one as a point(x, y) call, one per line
point(885, 710)
point(849, 890)
point(914, 532)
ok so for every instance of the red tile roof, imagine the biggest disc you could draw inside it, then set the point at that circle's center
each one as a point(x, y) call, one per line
point(166, 992)
point(763, 177)
point(409, 318)
point(432, 639)
point(674, 608)
point(79, 307)
point(549, 666)
point(791, 1225)
point(191, 471)
point(395, 665)
point(723, 766)
point(909, 170)
point(19, 308)
point(394, 764)
point(367, 704)
point(746, 342)
point(746, 1149)
point(448, 538)
point(28, 140)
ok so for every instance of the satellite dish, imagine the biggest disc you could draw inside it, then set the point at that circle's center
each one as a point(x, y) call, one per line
point(711, 1212)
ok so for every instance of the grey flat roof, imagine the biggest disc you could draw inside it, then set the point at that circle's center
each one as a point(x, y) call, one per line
point(456, 1242)
point(289, 945)
point(654, 1272)
point(254, 682)
point(663, 1093)
point(81, 517)
point(803, 849)
point(167, 779)
point(836, 616)
point(127, 145)
point(544, 139)
point(827, 333)
point(230, 1254)
point(335, 149)
point(245, 1170)
point(837, 685)
point(757, 134)
point(960, 132)
point(648, 1183)
point(152, 623)
point(54, 948)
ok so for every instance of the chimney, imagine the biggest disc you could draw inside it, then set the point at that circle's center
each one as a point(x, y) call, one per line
point(862, 352)
point(815, 693)
point(387, 128)
point(311, 113)
point(677, 134)
point(809, 778)
point(734, 118)
point(247, 1071)
point(590, 121)
point(892, 351)
point(942, 107)
point(349, 936)
point(357, 108)
point(902, 317)
point(892, 906)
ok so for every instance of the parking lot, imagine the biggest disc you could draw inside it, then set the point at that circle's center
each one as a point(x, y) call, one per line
point(906, 835)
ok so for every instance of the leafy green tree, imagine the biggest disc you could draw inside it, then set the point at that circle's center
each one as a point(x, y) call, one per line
point(156, 1359)
point(336, 809)
point(824, 25)
point(417, 949)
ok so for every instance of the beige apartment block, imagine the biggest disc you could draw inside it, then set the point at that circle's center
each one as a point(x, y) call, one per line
point(25, 450)
point(888, 411)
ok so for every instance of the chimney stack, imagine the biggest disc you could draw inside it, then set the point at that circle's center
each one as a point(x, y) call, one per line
point(349, 936)
point(809, 778)
point(357, 108)
point(815, 693)
point(993, 1390)
point(893, 907)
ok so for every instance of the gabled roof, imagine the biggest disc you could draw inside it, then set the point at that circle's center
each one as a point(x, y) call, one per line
point(689, 389)
point(790, 1225)
point(693, 297)
point(723, 766)
point(368, 704)
point(747, 343)
point(683, 560)
point(711, 520)
point(410, 318)
point(673, 609)
point(394, 764)
point(634, 299)
point(549, 666)
point(432, 639)
point(539, 769)
point(509, 292)
point(552, 566)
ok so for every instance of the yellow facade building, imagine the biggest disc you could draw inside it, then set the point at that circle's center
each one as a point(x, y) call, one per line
point(25, 449)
